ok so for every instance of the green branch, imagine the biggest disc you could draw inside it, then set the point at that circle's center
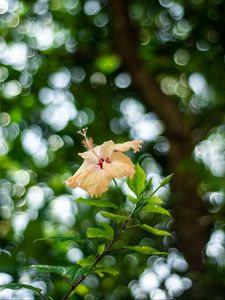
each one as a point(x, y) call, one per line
point(99, 257)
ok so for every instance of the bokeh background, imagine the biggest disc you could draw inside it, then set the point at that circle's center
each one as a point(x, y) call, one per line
point(144, 69)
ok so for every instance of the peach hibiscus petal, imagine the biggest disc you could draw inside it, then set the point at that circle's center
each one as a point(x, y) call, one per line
point(106, 149)
point(101, 164)
point(135, 145)
point(89, 156)
point(72, 181)
point(91, 178)
point(103, 151)
point(120, 165)
point(96, 182)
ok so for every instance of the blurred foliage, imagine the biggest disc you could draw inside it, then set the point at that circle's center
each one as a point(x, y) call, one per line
point(59, 72)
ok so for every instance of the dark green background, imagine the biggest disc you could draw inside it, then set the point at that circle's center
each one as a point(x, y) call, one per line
point(126, 69)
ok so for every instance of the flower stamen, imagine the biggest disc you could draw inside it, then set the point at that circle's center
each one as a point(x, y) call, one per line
point(88, 142)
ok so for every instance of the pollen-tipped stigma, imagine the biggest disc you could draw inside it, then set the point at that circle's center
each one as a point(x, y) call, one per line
point(102, 164)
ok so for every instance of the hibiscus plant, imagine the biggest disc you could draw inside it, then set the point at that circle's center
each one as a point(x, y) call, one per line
point(103, 164)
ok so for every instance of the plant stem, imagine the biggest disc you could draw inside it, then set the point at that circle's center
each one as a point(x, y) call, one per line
point(120, 196)
point(67, 280)
point(113, 240)
point(74, 286)
point(43, 296)
point(137, 209)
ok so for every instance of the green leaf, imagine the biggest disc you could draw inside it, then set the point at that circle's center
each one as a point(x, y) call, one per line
point(101, 249)
point(108, 229)
point(114, 217)
point(166, 180)
point(155, 200)
point(132, 199)
point(109, 270)
point(61, 239)
point(49, 269)
point(154, 230)
point(87, 261)
point(62, 271)
point(71, 271)
point(130, 184)
point(97, 202)
point(83, 271)
point(148, 185)
point(139, 179)
point(145, 249)
point(17, 286)
point(81, 290)
point(156, 209)
point(93, 232)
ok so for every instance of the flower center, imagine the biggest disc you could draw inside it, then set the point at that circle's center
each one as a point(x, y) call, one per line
point(101, 160)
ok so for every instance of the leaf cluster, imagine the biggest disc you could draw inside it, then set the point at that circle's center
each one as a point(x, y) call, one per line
point(110, 234)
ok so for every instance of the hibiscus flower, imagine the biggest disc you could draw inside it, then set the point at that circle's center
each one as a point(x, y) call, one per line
point(102, 164)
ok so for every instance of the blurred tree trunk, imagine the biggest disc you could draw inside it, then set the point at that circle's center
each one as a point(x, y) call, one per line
point(189, 211)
